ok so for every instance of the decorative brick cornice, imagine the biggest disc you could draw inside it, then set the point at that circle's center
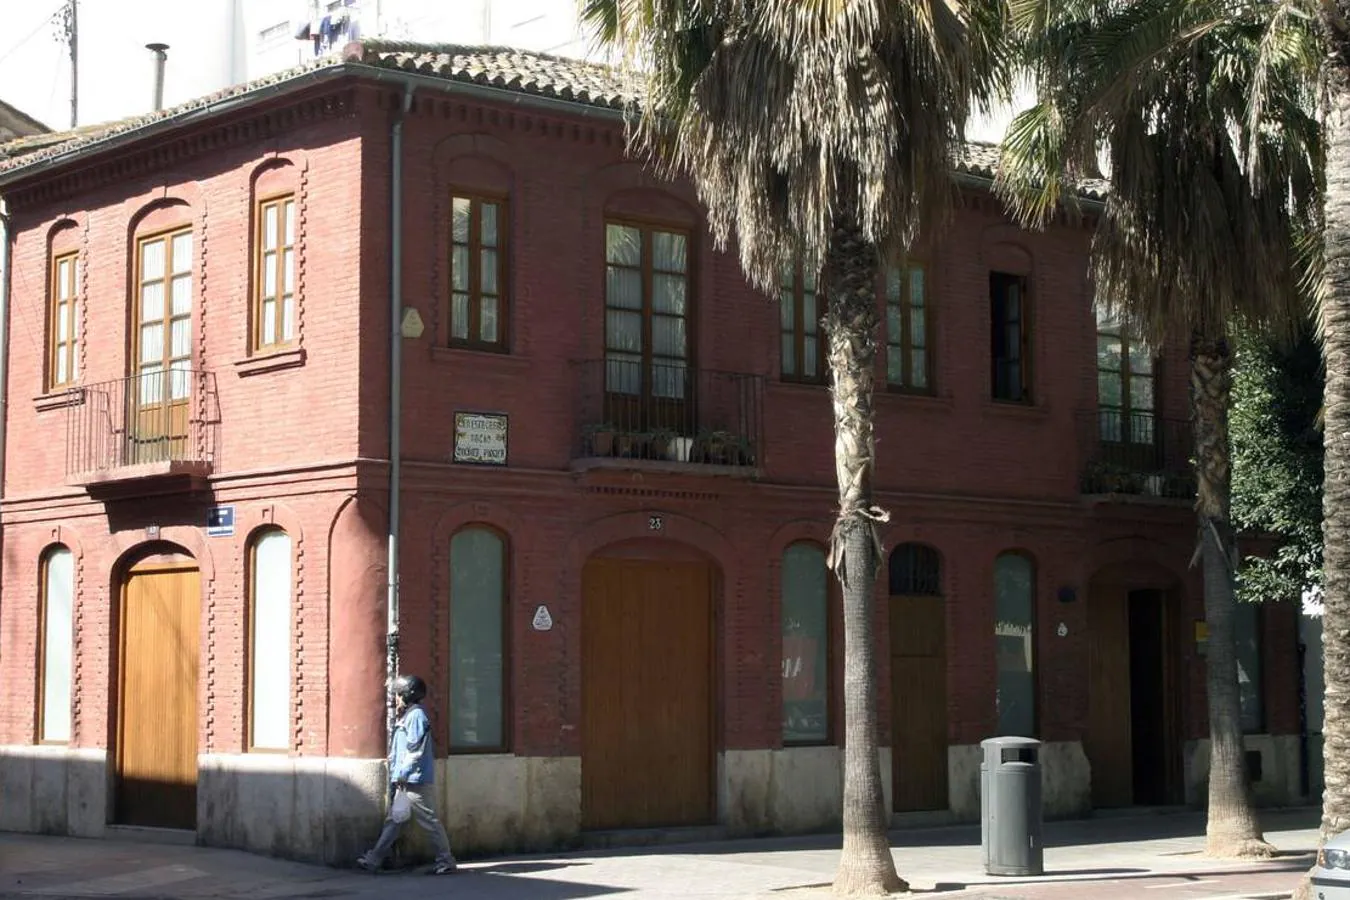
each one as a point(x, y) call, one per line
point(260, 125)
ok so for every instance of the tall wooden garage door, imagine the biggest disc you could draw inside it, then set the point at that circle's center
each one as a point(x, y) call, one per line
point(647, 710)
point(918, 679)
point(156, 765)
point(919, 703)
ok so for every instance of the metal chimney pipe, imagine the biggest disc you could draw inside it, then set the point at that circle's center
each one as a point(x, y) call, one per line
point(160, 57)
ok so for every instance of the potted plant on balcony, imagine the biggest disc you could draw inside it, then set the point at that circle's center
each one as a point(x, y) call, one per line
point(601, 439)
point(659, 443)
point(716, 447)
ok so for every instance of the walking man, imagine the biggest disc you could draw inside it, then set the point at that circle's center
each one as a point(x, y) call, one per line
point(412, 771)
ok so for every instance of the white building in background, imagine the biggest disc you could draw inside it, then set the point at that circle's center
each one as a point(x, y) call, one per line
point(269, 39)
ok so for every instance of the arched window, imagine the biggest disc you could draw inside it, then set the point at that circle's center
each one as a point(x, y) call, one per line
point(477, 640)
point(270, 589)
point(1014, 634)
point(915, 571)
point(806, 645)
point(58, 601)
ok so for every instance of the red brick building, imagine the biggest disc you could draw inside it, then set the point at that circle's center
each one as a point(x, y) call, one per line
point(615, 482)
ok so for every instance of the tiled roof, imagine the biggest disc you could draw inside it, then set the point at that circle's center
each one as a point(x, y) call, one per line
point(521, 71)
point(503, 68)
point(27, 151)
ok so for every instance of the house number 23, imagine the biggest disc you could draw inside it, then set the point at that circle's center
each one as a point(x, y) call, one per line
point(655, 523)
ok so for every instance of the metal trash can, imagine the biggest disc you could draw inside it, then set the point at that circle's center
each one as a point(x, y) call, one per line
point(1010, 807)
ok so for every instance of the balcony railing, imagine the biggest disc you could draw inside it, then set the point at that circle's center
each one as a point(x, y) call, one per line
point(151, 425)
point(632, 410)
point(1132, 452)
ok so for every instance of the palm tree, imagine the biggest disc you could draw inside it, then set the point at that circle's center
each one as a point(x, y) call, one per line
point(820, 132)
point(1203, 112)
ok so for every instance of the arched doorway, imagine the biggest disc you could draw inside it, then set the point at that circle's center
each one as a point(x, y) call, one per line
point(918, 679)
point(1133, 737)
point(155, 759)
point(647, 687)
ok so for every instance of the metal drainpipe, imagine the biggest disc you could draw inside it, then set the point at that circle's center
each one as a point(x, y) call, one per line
point(395, 394)
point(4, 334)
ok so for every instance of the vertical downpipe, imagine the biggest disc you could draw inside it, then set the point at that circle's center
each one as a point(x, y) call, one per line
point(395, 395)
point(5, 279)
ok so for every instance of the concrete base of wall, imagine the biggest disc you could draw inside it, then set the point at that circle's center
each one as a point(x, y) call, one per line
point(1066, 780)
point(1280, 765)
point(54, 790)
point(318, 809)
point(509, 804)
point(795, 790)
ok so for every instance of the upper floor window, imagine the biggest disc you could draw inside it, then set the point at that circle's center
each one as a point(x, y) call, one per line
point(646, 312)
point(58, 600)
point(1009, 338)
point(274, 305)
point(908, 329)
point(164, 320)
point(1125, 384)
point(478, 308)
point(64, 342)
point(800, 309)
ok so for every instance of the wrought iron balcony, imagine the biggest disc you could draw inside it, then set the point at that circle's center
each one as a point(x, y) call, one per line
point(654, 414)
point(1133, 452)
point(159, 425)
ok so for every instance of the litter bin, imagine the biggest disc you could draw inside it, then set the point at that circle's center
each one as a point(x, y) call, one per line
point(1010, 807)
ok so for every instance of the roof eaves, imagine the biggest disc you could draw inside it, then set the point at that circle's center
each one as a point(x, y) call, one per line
point(20, 166)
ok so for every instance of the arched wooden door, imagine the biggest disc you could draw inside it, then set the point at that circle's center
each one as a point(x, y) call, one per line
point(918, 680)
point(647, 693)
point(156, 753)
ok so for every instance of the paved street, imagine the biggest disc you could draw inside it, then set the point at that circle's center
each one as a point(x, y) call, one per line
point(1156, 858)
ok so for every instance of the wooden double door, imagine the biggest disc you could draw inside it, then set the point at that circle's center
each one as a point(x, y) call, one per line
point(156, 753)
point(918, 703)
point(1133, 717)
point(647, 693)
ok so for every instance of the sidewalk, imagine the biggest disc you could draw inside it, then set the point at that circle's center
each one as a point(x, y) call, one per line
point(1154, 857)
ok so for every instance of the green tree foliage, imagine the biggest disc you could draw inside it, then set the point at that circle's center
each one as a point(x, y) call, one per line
point(1277, 464)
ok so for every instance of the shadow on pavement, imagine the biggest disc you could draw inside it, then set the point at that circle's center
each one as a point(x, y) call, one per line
point(1060, 833)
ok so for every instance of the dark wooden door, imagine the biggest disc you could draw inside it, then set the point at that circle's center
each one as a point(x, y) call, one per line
point(1109, 722)
point(919, 703)
point(647, 713)
point(1133, 711)
point(156, 764)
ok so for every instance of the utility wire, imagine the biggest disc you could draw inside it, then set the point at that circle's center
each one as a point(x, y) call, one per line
point(28, 37)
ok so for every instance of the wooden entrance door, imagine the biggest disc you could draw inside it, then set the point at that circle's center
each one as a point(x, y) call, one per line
point(919, 703)
point(156, 761)
point(646, 706)
point(1132, 710)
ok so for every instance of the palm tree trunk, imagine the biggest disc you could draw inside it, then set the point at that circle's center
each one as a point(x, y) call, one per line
point(1232, 829)
point(1336, 433)
point(866, 865)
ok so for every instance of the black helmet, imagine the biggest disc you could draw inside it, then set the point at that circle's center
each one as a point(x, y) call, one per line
point(410, 688)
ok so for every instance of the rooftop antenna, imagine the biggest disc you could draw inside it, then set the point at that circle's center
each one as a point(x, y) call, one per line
point(70, 31)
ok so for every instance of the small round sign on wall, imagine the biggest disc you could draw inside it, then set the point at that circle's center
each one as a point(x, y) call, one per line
point(1062, 630)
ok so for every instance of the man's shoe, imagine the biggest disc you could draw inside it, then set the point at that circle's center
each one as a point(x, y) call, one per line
point(366, 865)
point(444, 868)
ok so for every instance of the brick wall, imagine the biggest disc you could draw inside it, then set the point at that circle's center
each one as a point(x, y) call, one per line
point(957, 471)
